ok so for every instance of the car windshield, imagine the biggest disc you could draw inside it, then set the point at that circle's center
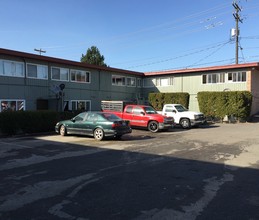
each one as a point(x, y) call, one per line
point(180, 108)
point(149, 110)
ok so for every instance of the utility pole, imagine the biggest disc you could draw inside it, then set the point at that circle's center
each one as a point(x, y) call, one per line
point(237, 19)
point(40, 51)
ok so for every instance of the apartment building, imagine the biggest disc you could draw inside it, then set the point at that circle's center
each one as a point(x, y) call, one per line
point(35, 82)
point(237, 77)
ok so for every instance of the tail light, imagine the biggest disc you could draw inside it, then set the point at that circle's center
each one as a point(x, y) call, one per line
point(116, 124)
point(119, 123)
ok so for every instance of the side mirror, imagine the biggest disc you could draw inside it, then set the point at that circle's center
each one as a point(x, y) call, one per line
point(142, 113)
point(174, 111)
point(73, 120)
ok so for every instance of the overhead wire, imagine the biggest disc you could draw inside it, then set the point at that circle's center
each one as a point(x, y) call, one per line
point(199, 62)
point(213, 52)
point(191, 20)
point(181, 56)
point(155, 28)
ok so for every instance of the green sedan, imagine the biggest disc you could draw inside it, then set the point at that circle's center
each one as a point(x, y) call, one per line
point(96, 124)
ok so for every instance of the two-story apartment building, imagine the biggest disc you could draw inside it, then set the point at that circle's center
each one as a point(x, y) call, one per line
point(35, 82)
point(237, 77)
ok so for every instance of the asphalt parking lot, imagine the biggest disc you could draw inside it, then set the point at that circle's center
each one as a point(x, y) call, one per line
point(210, 172)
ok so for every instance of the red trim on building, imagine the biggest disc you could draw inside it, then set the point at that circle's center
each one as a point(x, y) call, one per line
point(254, 65)
point(205, 69)
point(65, 62)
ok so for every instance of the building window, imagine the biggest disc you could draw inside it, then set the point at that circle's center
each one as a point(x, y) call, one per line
point(12, 105)
point(77, 105)
point(237, 77)
point(213, 78)
point(37, 71)
point(131, 82)
point(118, 80)
point(11, 68)
point(60, 74)
point(139, 83)
point(168, 81)
point(149, 82)
point(79, 76)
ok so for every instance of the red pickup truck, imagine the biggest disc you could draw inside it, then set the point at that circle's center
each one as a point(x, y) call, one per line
point(138, 115)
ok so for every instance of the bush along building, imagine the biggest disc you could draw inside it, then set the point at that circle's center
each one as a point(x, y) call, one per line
point(35, 82)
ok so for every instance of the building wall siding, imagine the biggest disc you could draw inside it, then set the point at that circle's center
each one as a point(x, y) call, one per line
point(100, 86)
point(192, 84)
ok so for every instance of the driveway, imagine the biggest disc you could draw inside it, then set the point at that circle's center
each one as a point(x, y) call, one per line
point(210, 172)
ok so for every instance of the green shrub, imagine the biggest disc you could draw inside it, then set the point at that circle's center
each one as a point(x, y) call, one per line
point(219, 104)
point(27, 122)
point(157, 100)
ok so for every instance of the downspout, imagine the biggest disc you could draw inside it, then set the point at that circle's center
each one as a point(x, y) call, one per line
point(182, 83)
point(25, 82)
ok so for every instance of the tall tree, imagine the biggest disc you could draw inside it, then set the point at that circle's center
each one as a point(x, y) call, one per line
point(93, 56)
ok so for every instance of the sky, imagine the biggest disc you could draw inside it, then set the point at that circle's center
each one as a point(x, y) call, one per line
point(137, 35)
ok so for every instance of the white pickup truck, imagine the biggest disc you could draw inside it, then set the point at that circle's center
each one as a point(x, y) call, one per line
point(183, 116)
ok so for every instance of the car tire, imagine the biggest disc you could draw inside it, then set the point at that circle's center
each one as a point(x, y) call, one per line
point(98, 134)
point(153, 126)
point(63, 130)
point(185, 123)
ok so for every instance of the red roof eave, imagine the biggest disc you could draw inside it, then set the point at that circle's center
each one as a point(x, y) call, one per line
point(254, 65)
point(205, 69)
point(65, 62)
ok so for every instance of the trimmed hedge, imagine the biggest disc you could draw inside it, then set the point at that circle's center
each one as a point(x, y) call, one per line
point(157, 100)
point(219, 104)
point(27, 122)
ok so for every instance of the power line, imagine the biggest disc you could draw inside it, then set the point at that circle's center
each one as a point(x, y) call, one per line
point(202, 64)
point(182, 56)
point(210, 54)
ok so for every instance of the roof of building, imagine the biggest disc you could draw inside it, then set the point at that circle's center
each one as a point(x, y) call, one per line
point(65, 62)
point(254, 65)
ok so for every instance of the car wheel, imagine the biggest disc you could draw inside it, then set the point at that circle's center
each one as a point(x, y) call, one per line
point(185, 123)
point(98, 134)
point(63, 130)
point(153, 126)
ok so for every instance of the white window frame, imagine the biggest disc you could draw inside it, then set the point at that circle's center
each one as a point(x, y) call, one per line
point(79, 74)
point(118, 80)
point(149, 82)
point(74, 105)
point(213, 78)
point(237, 77)
point(131, 81)
point(19, 105)
point(160, 82)
point(16, 68)
point(61, 74)
point(42, 70)
point(139, 83)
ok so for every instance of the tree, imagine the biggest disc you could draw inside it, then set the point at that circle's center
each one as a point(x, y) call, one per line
point(93, 56)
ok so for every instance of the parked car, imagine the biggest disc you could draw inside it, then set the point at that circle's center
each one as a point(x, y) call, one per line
point(96, 124)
